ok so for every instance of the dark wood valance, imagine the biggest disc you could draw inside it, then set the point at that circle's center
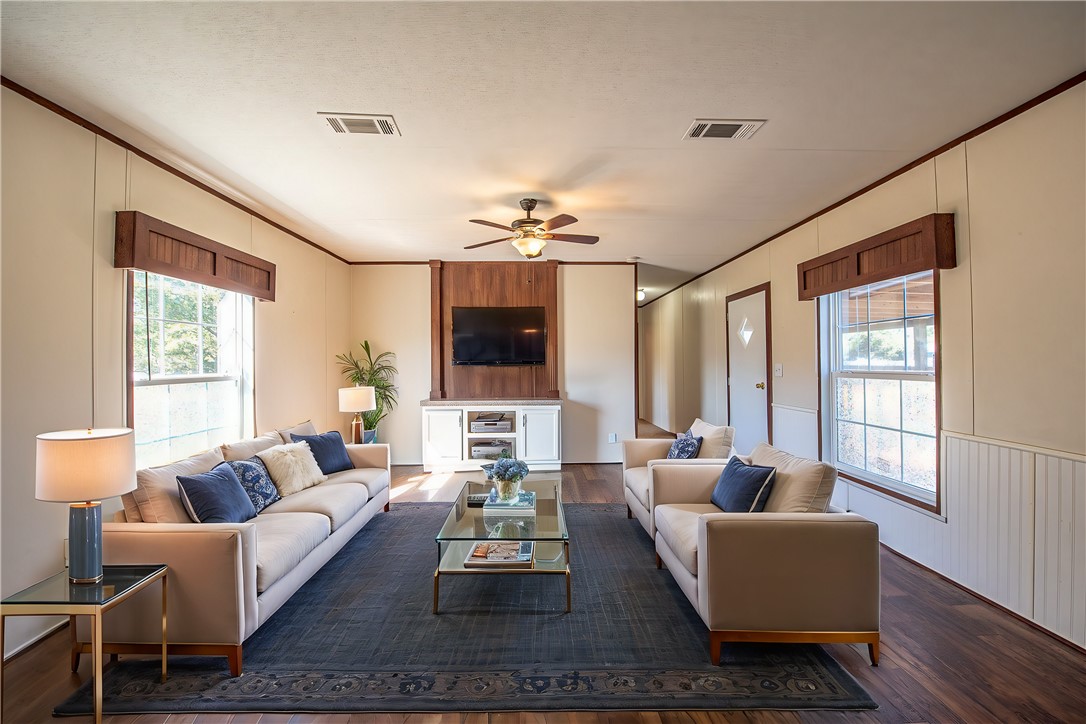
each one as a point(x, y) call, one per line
point(149, 244)
point(926, 243)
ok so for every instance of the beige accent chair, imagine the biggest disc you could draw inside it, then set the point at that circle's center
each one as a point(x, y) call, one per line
point(793, 573)
point(640, 457)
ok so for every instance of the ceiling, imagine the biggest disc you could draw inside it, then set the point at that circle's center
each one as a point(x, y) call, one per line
point(584, 105)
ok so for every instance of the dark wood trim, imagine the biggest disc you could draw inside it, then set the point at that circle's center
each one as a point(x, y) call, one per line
point(551, 310)
point(129, 350)
point(388, 263)
point(637, 355)
point(152, 245)
point(98, 130)
point(595, 263)
point(1014, 614)
point(983, 128)
point(768, 354)
point(915, 246)
point(437, 324)
point(818, 372)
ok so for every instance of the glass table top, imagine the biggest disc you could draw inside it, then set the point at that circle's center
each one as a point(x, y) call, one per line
point(116, 581)
point(546, 523)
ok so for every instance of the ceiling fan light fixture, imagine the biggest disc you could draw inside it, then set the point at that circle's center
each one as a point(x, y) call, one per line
point(529, 246)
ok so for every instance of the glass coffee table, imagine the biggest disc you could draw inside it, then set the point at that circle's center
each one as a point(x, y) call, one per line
point(468, 525)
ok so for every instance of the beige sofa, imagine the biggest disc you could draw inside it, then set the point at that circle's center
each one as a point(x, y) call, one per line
point(642, 456)
point(793, 573)
point(226, 579)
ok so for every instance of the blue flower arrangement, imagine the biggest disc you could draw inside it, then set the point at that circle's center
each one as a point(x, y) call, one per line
point(506, 469)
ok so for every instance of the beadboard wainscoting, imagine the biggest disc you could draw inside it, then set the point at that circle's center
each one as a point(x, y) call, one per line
point(1013, 528)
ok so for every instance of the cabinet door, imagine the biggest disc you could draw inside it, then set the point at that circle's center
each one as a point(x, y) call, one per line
point(542, 437)
point(443, 436)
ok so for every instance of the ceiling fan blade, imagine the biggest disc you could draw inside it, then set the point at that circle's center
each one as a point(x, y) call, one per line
point(575, 238)
point(491, 223)
point(487, 243)
point(558, 222)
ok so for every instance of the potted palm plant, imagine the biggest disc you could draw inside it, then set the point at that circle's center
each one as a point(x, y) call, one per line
point(376, 372)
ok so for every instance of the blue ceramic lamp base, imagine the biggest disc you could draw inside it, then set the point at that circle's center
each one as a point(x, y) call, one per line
point(85, 542)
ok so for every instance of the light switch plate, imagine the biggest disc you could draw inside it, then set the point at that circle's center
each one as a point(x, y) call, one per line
point(778, 370)
point(612, 437)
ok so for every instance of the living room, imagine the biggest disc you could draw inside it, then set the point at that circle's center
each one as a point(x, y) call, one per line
point(1011, 514)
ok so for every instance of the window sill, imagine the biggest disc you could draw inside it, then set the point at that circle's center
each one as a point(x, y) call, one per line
point(927, 507)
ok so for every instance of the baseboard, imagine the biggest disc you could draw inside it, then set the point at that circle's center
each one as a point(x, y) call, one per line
point(43, 635)
point(1028, 621)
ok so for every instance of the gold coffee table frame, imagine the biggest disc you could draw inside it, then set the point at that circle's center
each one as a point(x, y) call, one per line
point(465, 526)
point(56, 596)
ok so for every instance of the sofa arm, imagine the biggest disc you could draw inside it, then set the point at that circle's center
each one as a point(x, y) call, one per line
point(637, 453)
point(683, 481)
point(788, 572)
point(371, 455)
point(212, 582)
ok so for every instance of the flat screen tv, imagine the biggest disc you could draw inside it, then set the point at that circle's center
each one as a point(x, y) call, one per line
point(499, 336)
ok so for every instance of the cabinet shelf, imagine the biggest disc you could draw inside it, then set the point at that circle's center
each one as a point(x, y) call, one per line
point(447, 437)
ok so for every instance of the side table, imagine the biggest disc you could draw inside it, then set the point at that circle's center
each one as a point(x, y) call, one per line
point(56, 595)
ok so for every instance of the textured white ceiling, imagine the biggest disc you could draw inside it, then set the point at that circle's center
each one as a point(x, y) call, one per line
point(586, 103)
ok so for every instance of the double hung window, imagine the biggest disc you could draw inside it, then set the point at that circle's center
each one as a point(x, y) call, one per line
point(882, 386)
point(191, 367)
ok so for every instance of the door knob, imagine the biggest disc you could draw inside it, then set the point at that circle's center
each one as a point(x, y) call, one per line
point(760, 385)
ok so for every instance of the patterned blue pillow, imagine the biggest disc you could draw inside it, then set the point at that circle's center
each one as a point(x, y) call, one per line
point(685, 447)
point(255, 481)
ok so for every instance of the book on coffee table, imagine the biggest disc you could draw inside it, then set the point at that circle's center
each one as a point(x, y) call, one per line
point(501, 555)
point(523, 504)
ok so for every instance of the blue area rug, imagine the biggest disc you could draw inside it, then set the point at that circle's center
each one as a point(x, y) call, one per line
point(360, 637)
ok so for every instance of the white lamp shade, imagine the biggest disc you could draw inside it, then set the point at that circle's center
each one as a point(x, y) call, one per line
point(84, 465)
point(357, 399)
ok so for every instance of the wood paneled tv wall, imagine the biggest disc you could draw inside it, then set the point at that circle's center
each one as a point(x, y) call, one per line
point(491, 284)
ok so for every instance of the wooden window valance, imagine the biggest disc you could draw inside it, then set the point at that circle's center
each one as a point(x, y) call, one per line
point(149, 244)
point(926, 243)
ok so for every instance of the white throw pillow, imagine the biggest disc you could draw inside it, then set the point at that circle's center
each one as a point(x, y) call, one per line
point(292, 467)
point(716, 440)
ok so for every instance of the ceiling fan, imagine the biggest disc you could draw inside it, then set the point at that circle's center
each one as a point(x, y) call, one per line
point(531, 235)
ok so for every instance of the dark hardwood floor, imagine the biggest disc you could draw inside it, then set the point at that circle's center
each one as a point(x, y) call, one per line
point(947, 656)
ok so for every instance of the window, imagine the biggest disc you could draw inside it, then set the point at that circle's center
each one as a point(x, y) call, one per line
point(191, 367)
point(882, 386)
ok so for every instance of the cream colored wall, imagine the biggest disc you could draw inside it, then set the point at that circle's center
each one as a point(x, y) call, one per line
point(64, 314)
point(1012, 348)
point(596, 307)
point(391, 308)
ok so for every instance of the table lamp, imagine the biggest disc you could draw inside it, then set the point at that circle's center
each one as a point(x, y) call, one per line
point(83, 467)
point(357, 400)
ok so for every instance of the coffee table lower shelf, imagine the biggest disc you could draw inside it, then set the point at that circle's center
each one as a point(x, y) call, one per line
point(451, 563)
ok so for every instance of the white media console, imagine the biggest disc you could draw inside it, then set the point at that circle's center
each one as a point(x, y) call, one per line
point(463, 435)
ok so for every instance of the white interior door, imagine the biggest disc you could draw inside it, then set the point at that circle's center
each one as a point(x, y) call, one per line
point(748, 379)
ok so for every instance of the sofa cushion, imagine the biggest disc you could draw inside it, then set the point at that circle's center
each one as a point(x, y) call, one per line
point(743, 488)
point(338, 503)
point(245, 449)
point(677, 525)
point(255, 481)
point(302, 428)
point(292, 467)
point(800, 485)
point(156, 491)
point(685, 447)
point(328, 449)
point(637, 480)
point(283, 541)
point(717, 439)
point(375, 479)
point(215, 496)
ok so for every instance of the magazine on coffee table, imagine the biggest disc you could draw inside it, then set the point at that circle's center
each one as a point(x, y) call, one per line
point(505, 554)
point(523, 504)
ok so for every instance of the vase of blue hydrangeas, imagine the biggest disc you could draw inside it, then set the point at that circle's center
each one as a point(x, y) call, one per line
point(506, 473)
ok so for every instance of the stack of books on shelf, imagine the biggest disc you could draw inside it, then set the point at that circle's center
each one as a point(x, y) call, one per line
point(501, 555)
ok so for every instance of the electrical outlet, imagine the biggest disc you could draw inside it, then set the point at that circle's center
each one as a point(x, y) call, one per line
point(612, 437)
point(65, 552)
point(778, 370)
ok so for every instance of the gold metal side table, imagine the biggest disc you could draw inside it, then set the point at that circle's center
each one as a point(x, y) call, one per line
point(57, 596)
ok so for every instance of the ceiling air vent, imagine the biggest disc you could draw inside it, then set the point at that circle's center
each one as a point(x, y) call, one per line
point(718, 128)
point(361, 123)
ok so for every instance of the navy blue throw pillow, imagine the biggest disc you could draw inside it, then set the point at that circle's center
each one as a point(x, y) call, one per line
point(743, 488)
point(328, 449)
point(255, 481)
point(685, 447)
point(215, 496)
